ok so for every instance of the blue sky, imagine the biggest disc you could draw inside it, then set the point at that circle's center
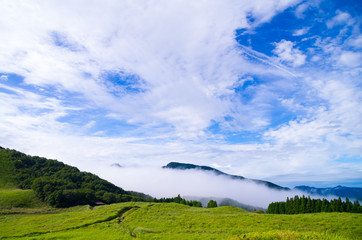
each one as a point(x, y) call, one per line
point(263, 89)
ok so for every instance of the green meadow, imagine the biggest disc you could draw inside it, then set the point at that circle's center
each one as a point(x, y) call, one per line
point(10, 198)
point(24, 216)
point(172, 221)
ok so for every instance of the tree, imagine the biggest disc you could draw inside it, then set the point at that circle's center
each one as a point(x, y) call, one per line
point(212, 204)
point(309, 205)
point(356, 207)
point(302, 205)
point(198, 204)
point(318, 206)
point(178, 199)
point(282, 206)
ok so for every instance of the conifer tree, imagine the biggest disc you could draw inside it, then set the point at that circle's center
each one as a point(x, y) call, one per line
point(308, 207)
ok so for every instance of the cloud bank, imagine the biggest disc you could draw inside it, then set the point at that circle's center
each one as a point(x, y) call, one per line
point(159, 183)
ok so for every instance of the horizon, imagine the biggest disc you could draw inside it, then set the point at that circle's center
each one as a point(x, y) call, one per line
point(268, 90)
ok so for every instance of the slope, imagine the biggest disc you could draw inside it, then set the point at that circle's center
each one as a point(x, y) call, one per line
point(56, 183)
point(187, 166)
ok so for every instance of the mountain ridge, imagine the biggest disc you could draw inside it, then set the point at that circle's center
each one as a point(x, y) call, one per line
point(188, 166)
point(339, 191)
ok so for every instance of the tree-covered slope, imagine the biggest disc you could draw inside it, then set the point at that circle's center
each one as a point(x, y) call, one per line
point(7, 179)
point(56, 183)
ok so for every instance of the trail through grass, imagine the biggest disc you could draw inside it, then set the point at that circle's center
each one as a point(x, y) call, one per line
point(175, 221)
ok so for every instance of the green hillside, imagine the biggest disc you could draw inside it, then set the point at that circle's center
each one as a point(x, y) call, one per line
point(175, 221)
point(7, 179)
point(53, 182)
point(17, 198)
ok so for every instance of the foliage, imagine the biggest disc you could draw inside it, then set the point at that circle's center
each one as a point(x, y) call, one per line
point(212, 204)
point(176, 221)
point(307, 205)
point(179, 200)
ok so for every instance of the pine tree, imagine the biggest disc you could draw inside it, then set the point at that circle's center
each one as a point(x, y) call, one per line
point(318, 206)
point(339, 205)
point(302, 206)
point(287, 206)
point(349, 205)
point(177, 199)
point(282, 206)
point(308, 208)
point(296, 205)
point(356, 207)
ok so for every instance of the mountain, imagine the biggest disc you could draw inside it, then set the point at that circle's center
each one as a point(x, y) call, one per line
point(339, 191)
point(56, 183)
point(187, 166)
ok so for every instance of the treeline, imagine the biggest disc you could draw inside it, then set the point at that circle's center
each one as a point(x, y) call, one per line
point(304, 204)
point(61, 185)
point(179, 200)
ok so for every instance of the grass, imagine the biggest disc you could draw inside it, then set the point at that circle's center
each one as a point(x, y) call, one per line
point(16, 198)
point(174, 221)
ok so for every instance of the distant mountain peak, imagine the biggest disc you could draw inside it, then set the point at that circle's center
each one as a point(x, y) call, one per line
point(116, 165)
point(188, 166)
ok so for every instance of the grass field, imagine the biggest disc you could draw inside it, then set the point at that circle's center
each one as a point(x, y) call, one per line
point(173, 221)
point(24, 216)
point(10, 198)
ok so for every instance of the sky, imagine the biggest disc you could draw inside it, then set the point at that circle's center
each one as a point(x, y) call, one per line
point(265, 89)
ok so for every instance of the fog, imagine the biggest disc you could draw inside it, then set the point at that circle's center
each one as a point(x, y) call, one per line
point(160, 182)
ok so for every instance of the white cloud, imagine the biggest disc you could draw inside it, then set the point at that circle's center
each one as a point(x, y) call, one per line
point(184, 51)
point(300, 32)
point(356, 42)
point(287, 53)
point(340, 19)
point(351, 59)
point(332, 129)
point(3, 78)
point(300, 11)
point(342, 51)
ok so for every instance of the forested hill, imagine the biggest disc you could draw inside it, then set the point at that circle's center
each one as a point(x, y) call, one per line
point(58, 184)
point(187, 166)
